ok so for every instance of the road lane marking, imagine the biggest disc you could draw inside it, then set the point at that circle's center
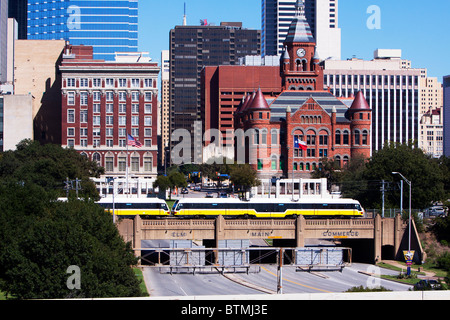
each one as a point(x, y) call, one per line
point(303, 285)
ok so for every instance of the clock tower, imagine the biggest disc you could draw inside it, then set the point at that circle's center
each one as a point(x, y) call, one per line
point(300, 67)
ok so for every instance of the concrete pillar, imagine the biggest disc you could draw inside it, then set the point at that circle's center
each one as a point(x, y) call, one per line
point(377, 238)
point(137, 235)
point(300, 232)
point(219, 234)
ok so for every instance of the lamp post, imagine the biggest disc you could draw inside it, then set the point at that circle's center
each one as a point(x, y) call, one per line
point(408, 272)
point(109, 180)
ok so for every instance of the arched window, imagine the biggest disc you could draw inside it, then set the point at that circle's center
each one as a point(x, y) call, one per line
point(302, 166)
point(346, 137)
point(357, 137)
point(264, 136)
point(345, 161)
point(274, 162)
point(337, 160)
point(274, 137)
point(338, 137)
point(295, 166)
point(365, 138)
point(97, 158)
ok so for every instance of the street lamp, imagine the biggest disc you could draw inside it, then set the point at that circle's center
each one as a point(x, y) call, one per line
point(408, 272)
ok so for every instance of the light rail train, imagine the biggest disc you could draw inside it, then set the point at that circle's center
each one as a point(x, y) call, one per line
point(129, 207)
point(267, 208)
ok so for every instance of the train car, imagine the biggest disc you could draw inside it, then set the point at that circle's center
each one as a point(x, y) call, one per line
point(129, 207)
point(267, 208)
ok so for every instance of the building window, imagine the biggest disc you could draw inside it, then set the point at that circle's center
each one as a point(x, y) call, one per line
point(122, 132)
point(148, 121)
point(83, 116)
point(148, 96)
point(122, 161)
point(122, 96)
point(71, 98)
point(135, 120)
point(71, 143)
point(109, 108)
point(346, 137)
point(96, 95)
point(357, 137)
point(109, 96)
point(148, 83)
point(135, 108)
point(83, 132)
point(109, 164)
point(109, 132)
point(122, 108)
point(148, 132)
point(274, 137)
point(97, 83)
point(135, 132)
point(274, 163)
point(122, 83)
point(71, 132)
point(323, 153)
point(260, 164)
point(71, 116)
point(84, 143)
point(148, 164)
point(96, 132)
point(84, 98)
point(96, 120)
point(338, 137)
point(148, 108)
point(122, 120)
point(148, 143)
point(365, 137)
point(135, 164)
point(109, 83)
point(96, 157)
point(96, 143)
point(135, 96)
point(135, 83)
point(96, 108)
point(71, 83)
point(84, 83)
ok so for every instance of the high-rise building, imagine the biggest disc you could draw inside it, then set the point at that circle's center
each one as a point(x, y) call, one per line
point(322, 17)
point(3, 39)
point(105, 102)
point(165, 77)
point(108, 26)
point(446, 85)
point(192, 48)
point(18, 9)
point(392, 89)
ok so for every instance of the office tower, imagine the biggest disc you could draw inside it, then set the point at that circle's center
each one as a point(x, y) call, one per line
point(108, 26)
point(103, 103)
point(165, 114)
point(322, 17)
point(18, 9)
point(446, 85)
point(192, 48)
point(391, 88)
point(3, 39)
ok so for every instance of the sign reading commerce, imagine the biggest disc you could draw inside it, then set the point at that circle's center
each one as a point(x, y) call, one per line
point(340, 234)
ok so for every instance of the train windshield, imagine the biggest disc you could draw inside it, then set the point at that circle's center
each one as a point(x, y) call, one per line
point(358, 207)
point(175, 205)
point(164, 207)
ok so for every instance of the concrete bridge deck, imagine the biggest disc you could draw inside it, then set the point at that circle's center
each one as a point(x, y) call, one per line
point(382, 232)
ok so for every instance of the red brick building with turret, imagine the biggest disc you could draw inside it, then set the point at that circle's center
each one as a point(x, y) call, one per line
point(303, 123)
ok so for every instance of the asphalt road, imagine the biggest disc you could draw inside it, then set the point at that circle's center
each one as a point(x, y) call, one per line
point(164, 284)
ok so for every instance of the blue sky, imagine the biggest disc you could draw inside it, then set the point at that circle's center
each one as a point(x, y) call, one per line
point(420, 28)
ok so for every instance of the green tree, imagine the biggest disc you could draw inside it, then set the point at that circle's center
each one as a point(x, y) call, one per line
point(364, 182)
point(49, 166)
point(41, 238)
point(244, 177)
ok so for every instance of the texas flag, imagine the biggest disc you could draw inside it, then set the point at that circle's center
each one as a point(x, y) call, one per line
point(298, 144)
point(133, 142)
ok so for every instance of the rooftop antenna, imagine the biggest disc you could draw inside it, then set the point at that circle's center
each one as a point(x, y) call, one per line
point(184, 17)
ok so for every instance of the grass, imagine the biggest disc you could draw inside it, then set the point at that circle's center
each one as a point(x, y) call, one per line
point(140, 276)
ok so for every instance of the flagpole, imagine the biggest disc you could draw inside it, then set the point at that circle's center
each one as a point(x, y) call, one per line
point(128, 189)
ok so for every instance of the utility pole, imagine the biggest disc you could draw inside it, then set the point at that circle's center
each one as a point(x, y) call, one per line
point(382, 197)
point(280, 272)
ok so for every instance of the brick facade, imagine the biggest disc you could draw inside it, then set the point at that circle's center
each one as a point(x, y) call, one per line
point(102, 102)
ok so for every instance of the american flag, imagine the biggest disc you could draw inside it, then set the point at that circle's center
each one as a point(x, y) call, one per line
point(133, 142)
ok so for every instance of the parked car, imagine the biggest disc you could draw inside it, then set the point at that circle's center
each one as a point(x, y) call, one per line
point(197, 188)
point(427, 285)
point(184, 191)
point(210, 195)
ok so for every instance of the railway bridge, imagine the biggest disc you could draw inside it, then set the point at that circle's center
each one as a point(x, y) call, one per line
point(375, 238)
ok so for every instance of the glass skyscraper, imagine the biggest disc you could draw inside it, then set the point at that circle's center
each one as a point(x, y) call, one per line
point(108, 25)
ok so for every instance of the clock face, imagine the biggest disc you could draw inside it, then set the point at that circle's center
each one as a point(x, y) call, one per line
point(301, 52)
